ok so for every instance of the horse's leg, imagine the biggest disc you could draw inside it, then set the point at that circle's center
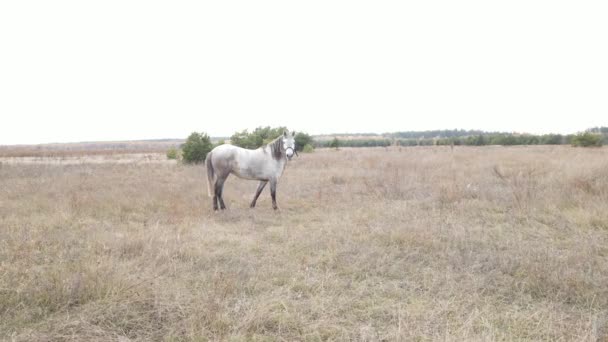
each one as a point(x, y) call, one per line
point(215, 200)
point(273, 193)
point(215, 208)
point(217, 192)
point(219, 189)
point(257, 193)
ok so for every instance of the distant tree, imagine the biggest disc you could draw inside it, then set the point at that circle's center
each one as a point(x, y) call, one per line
point(601, 130)
point(257, 138)
point(468, 137)
point(425, 142)
point(436, 134)
point(503, 139)
point(264, 135)
point(551, 139)
point(476, 140)
point(586, 140)
point(308, 148)
point(335, 143)
point(302, 139)
point(408, 142)
point(196, 147)
point(244, 139)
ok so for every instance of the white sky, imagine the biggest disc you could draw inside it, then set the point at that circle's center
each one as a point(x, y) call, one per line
point(109, 70)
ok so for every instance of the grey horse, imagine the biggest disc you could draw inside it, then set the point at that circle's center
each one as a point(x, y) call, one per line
point(265, 164)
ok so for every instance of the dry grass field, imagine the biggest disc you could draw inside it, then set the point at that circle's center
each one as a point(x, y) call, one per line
point(411, 244)
point(84, 149)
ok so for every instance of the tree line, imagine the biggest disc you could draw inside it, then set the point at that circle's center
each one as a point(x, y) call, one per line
point(197, 145)
point(592, 137)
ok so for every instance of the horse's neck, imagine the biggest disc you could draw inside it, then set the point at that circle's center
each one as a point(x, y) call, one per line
point(275, 150)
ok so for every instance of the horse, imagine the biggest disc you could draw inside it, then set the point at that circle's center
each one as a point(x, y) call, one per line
point(265, 164)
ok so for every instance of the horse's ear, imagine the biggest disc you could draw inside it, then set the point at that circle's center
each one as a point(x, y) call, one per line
point(285, 134)
point(293, 133)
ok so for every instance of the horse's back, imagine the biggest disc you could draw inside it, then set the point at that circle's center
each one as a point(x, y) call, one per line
point(224, 149)
point(244, 163)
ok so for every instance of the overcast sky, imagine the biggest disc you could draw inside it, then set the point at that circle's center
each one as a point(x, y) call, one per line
point(112, 70)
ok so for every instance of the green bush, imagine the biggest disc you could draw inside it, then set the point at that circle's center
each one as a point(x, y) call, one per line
point(256, 138)
point(244, 139)
point(173, 153)
point(196, 147)
point(263, 135)
point(308, 148)
point(586, 140)
point(335, 143)
point(551, 139)
point(303, 139)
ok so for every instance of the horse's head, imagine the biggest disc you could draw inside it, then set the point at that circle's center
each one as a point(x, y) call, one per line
point(289, 144)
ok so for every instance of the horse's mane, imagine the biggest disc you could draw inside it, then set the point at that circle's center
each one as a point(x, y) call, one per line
point(276, 148)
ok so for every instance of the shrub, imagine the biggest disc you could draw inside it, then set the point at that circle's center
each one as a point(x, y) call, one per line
point(335, 143)
point(256, 138)
point(172, 153)
point(263, 135)
point(308, 148)
point(551, 139)
point(196, 147)
point(586, 140)
point(244, 139)
point(303, 139)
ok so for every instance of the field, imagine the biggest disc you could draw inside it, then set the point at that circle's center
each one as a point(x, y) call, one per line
point(84, 149)
point(416, 244)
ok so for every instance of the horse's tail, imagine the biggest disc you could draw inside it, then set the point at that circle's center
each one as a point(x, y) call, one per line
point(210, 174)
